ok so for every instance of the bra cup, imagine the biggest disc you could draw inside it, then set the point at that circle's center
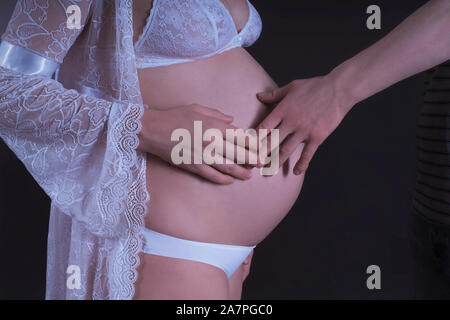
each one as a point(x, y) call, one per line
point(180, 31)
point(253, 29)
point(177, 29)
point(221, 21)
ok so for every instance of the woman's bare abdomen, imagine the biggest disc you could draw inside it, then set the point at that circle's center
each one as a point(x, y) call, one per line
point(187, 206)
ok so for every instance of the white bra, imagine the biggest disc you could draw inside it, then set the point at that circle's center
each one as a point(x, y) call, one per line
point(186, 30)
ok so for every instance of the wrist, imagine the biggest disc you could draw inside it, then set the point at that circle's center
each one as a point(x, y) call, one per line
point(145, 135)
point(344, 79)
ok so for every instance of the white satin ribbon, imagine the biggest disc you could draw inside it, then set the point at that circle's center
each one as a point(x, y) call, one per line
point(25, 61)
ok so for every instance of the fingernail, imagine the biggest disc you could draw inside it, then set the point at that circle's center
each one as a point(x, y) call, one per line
point(297, 172)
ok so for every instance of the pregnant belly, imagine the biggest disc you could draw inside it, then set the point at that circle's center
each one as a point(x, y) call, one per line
point(187, 206)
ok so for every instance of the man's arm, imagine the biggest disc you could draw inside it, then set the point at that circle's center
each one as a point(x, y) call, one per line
point(309, 110)
point(420, 42)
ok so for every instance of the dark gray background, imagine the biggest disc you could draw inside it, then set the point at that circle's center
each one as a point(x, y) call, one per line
point(356, 200)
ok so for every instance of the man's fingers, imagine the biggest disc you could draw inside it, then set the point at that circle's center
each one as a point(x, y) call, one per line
point(269, 143)
point(269, 123)
point(288, 147)
point(273, 96)
point(305, 158)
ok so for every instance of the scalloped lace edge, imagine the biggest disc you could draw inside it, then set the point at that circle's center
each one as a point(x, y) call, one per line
point(130, 255)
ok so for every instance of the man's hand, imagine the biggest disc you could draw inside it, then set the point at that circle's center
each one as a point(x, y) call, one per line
point(307, 111)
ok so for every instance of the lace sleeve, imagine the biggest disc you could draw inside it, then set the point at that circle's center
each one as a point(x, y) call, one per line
point(62, 137)
point(47, 27)
point(46, 126)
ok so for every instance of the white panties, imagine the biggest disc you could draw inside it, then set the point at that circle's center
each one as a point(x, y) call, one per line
point(224, 256)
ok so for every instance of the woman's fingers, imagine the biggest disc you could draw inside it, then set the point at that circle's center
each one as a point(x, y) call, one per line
point(212, 112)
point(241, 137)
point(234, 170)
point(242, 142)
point(220, 173)
point(215, 146)
point(238, 154)
point(209, 173)
point(305, 158)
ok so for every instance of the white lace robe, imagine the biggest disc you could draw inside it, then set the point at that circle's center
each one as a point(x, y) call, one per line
point(77, 137)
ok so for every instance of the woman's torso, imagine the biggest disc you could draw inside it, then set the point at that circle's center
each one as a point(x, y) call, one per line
point(187, 206)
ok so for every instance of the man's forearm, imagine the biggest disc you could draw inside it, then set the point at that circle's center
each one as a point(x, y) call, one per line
point(420, 42)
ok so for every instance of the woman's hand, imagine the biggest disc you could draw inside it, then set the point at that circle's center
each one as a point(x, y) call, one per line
point(158, 126)
point(307, 111)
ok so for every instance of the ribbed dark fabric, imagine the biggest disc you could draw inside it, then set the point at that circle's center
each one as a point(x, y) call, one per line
point(432, 190)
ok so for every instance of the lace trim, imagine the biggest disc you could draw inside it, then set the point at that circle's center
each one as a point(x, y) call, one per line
point(128, 129)
point(125, 138)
